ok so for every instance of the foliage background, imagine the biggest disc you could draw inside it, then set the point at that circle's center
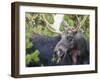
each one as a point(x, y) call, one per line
point(35, 23)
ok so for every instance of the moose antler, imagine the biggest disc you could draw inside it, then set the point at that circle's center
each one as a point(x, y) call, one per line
point(58, 18)
point(80, 24)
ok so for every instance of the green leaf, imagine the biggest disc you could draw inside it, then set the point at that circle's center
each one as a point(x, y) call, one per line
point(32, 57)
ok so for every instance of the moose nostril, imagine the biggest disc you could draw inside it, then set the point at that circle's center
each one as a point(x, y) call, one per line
point(60, 49)
point(57, 52)
point(61, 52)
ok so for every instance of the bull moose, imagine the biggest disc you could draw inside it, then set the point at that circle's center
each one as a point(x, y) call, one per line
point(68, 48)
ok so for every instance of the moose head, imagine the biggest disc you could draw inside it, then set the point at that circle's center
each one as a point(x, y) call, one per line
point(72, 40)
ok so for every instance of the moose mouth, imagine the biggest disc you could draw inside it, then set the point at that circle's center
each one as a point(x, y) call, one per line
point(58, 55)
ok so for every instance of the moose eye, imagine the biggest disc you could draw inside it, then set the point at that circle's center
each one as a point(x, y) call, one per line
point(69, 38)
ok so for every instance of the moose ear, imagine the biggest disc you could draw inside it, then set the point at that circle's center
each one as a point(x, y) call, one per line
point(65, 24)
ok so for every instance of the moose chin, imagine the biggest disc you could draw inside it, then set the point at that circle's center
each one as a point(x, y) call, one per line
point(67, 48)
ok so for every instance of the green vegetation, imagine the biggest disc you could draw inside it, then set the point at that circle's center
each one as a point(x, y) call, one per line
point(32, 57)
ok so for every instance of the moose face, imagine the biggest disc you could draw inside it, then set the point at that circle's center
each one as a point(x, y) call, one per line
point(66, 43)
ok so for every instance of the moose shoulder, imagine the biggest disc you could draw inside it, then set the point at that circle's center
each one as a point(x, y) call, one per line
point(82, 46)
